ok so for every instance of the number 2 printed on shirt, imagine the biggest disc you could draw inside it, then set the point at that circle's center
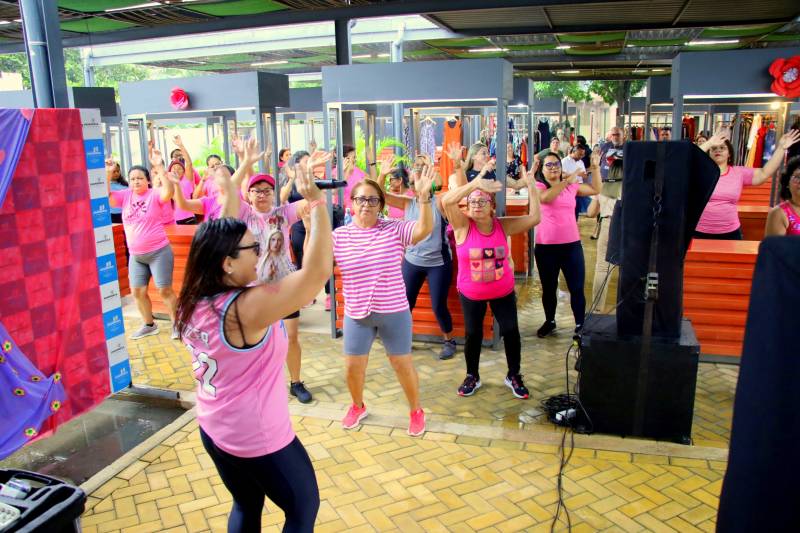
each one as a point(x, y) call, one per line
point(205, 368)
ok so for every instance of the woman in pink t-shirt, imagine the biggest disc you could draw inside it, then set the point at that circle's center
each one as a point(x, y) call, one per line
point(558, 243)
point(182, 168)
point(720, 218)
point(369, 253)
point(143, 213)
point(784, 218)
point(232, 326)
point(484, 274)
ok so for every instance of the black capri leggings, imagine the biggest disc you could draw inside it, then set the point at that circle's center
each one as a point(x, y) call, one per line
point(286, 477)
point(505, 312)
point(567, 258)
point(439, 279)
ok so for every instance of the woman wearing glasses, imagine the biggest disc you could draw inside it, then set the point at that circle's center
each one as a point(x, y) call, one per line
point(558, 242)
point(720, 218)
point(263, 218)
point(484, 274)
point(369, 253)
point(784, 218)
point(232, 326)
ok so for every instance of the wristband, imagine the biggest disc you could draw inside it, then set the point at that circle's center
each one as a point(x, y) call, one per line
point(315, 203)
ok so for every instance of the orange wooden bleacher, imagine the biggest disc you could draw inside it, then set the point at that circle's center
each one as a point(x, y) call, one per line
point(180, 238)
point(121, 255)
point(520, 247)
point(716, 293)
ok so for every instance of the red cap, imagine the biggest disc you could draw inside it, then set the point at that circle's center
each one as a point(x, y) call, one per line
point(262, 177)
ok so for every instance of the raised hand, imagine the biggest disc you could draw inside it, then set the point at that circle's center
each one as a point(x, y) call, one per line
point(110, 164)
point(488, 167)
point(251, 151)
point(178, 141)
point(424, 182)
point(305, 183)
point(387, 165)
point(318, 159)
point(454, 151)
point(720, 137)
point(171, 176)
point(595, 159)
point(237, 143)
point(789, 138)
point(155, 158)
point(490, 186)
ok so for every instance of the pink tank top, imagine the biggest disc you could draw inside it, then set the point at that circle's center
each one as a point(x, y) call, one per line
point(483, 270)
point(792, 217)
point(242, 402)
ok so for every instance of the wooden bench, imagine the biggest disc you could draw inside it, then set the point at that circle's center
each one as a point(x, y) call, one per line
point(754, 221)
point(716, 293)
point(180, 238)
point(121, 255)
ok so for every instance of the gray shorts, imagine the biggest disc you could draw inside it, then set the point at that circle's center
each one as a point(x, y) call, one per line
point(393, 328)
point(158, 263)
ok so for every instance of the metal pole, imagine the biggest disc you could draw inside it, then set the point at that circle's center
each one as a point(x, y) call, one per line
point(125, 143)
point(342, 29)
point(647, 103)
point(397, 109)
point(42, 36)
point(88, 68)
point(531, 129)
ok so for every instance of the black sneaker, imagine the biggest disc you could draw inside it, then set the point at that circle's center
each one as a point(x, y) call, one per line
point(299, 390)
point(448, 350)
point(517, 386)
point(578, 328)
point(547, 328)
point(470, 385)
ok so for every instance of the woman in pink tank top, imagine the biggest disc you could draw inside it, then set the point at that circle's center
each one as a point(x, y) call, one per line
point(233, 329)
point(484, 275)
point(784, 218)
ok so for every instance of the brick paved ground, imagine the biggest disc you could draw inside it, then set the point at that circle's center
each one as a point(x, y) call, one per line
point(488, 463)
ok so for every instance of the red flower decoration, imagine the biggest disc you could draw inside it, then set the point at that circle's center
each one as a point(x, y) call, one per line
point(787, 77)
point(179, 99)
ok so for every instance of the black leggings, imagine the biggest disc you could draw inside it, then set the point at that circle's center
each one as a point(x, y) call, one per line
point(735, 235)
point(567, 258)
point(286, 477)
point(439, 279)
point(505, 312)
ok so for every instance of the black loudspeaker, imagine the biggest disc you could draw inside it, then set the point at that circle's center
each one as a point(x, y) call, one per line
point(760, 490)
point(608, 381)
point(614, 250)
point(689, 179)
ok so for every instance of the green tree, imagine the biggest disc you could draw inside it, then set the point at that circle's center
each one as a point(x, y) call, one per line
point(617, 92)
point(574, 91)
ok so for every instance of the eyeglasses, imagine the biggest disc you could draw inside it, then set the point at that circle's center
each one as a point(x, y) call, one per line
point(391, 178)
point(480, 202)
point(372, 201)
point(553, 164)
point(795, 178)
point(256, 247)
point(262, 192)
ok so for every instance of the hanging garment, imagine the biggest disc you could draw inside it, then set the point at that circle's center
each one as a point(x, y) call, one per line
point(410, 152)
point(794, 150)
point(769, 145)
point(759, 147)
point(523, 153)
point(544, 135)
point(452, 133)
point(511, 130)
point(751, 141)
point(427, 140)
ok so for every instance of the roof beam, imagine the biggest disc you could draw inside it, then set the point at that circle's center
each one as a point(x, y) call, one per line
point(521, 61)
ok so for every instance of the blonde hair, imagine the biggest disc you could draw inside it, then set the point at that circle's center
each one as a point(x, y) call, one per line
point(274, 267)
point(473, 150)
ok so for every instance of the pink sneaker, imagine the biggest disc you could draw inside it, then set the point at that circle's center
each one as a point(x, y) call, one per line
point(354, 416)
point(328, 302)
point(416, 424)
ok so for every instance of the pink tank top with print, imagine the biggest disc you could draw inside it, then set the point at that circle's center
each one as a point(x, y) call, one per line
point(483, 270)
point(792, 217)
point(241, 392)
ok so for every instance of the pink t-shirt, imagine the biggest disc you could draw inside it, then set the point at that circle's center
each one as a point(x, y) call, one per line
point(558, 225)
point(212, 208)
point(210, 188)
point(241, 392)
point(261, 225)
point(791, 215)
point(143, 218)
point(370, 260)
point(483, 269)
point(187, 188)
point(356, 177)
point(720, 214)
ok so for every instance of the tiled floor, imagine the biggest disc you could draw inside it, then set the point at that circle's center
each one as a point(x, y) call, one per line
point(488, 462)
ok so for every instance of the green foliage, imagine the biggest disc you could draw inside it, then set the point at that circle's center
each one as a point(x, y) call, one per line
point(574, 91)
point(215, 147)
point(615, 91)
point(387, 142)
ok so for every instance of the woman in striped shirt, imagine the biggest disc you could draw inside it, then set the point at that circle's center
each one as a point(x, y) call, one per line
point(369, 253)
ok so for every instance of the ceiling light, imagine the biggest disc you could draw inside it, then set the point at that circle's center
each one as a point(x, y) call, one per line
point(4, 22)
point(658, 70)
point(17, 20)
point(563, 47)
point(712, 42)
point(369, 56)
point(640, 71)
point(568, 72)
point(483, 50)
point(775, 105)
point(138, 6)
point(192, 61)
point(630, 46)
point(267, 63)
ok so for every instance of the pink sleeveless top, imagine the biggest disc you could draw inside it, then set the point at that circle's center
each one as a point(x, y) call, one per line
point(483, 270)
point(242, 402)
point(792, 217)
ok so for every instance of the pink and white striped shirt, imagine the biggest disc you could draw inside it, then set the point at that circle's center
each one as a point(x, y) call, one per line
point(370, 261)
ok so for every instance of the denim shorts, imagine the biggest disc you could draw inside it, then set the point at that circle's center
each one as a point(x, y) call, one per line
point(158, 263)
point(393, 328)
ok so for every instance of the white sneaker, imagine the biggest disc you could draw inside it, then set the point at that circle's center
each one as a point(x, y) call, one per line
point(145, 331)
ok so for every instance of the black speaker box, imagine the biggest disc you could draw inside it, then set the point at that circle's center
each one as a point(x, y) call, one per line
point(689, 179)
point(608, 381)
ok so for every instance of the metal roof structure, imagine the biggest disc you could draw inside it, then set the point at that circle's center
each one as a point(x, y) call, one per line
point(544, 39)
